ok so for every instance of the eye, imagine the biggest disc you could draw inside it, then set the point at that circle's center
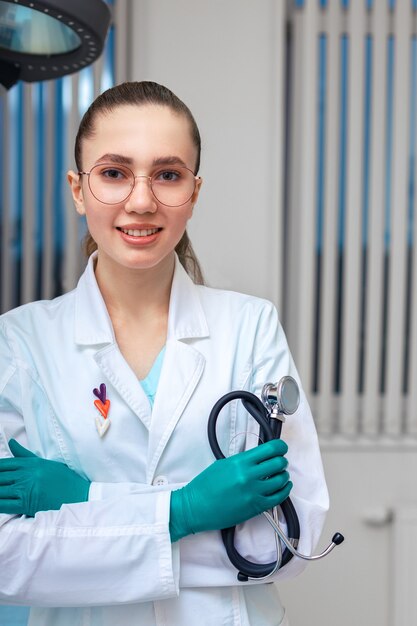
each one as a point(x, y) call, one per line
point(168, 176)
point(113, 174)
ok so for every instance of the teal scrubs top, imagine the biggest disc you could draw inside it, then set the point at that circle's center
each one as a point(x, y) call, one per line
point(150, 383)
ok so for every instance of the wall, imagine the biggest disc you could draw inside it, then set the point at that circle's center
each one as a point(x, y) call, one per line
point(358, 583)
point(224, 59)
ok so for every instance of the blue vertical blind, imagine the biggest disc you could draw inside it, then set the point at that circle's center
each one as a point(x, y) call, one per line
point(38, 123)
point(411, 241)
point(37, 130)
point(345, 3)
point(384, 226)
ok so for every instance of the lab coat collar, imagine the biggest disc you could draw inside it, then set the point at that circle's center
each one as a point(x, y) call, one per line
point(93, 326)
point(186, 318)
point(92, 321)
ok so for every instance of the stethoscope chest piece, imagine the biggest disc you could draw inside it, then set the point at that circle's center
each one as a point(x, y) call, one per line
point(277, 400)
point(282, 397)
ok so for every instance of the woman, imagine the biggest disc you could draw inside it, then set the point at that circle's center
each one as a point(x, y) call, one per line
point(116, 508)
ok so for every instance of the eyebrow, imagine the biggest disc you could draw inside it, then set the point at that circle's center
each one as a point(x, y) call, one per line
point(115, 158)
point(169, 160)
point(125, 160)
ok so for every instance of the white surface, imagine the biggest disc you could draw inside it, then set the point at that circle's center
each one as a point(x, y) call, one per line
point(224, 59)
point(359, 581)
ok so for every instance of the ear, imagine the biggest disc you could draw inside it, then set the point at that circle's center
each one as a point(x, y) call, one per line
point(196, 193)
point(75, 183)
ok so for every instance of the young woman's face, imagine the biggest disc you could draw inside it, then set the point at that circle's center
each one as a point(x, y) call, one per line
point(140, 232)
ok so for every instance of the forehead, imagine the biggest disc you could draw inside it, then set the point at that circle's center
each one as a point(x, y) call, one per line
point(141, 133)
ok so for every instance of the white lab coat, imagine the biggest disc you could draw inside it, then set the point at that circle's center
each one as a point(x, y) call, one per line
point(112, 555)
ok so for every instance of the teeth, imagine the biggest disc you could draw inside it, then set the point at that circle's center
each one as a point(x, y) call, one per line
point(139, 233)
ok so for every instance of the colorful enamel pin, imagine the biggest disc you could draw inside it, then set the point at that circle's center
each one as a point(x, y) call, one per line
point(102, 404)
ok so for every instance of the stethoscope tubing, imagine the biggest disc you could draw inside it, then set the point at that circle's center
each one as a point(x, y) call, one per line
point(270, 428)
point(247, 569)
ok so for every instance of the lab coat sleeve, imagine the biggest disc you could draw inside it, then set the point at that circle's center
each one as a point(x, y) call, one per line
point(272, 360)
point(102, 552)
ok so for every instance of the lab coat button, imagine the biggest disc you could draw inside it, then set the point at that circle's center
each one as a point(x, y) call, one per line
point(160, 480)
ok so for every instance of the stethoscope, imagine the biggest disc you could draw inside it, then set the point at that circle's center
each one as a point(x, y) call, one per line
point(277, 401)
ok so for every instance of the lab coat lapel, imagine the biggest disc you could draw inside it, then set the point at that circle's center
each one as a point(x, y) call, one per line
point(93, 327)
point(183, 364)
point(116, 370)
point(181, 371)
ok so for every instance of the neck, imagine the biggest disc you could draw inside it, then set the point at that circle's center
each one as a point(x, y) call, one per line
point(135, 294)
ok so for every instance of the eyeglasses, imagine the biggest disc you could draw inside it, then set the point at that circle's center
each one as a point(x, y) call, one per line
point(111, 184)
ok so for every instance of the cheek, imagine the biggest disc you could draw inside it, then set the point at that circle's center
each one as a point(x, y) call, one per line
point(183, 220)
point(189, 212)
point(96, 218)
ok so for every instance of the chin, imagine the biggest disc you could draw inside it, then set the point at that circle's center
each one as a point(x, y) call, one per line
point(147, 261)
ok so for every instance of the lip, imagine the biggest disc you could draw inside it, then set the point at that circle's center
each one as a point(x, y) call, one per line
point(139, 241)
point(137, 226)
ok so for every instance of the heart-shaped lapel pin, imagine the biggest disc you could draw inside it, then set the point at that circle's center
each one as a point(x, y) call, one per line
point(102, 404)
point(102, 407)
point(100, 394)
point(102, 426)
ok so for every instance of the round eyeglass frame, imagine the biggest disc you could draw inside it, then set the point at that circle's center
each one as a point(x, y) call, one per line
point(182, 167)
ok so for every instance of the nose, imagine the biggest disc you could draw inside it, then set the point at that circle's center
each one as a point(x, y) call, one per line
point(141, 200)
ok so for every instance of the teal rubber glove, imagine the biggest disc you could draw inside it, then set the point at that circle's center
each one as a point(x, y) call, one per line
point(231, 491)
point(29, 484)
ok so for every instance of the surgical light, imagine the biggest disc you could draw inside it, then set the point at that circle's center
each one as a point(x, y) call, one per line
point(44, 39)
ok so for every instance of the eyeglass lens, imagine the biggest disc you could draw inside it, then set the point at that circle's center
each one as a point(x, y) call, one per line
point(113, 184)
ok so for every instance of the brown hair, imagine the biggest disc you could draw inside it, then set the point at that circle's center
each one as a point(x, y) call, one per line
point(142, 93)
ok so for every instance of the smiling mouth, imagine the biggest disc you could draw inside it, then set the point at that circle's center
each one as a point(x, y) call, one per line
point(139, 233)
